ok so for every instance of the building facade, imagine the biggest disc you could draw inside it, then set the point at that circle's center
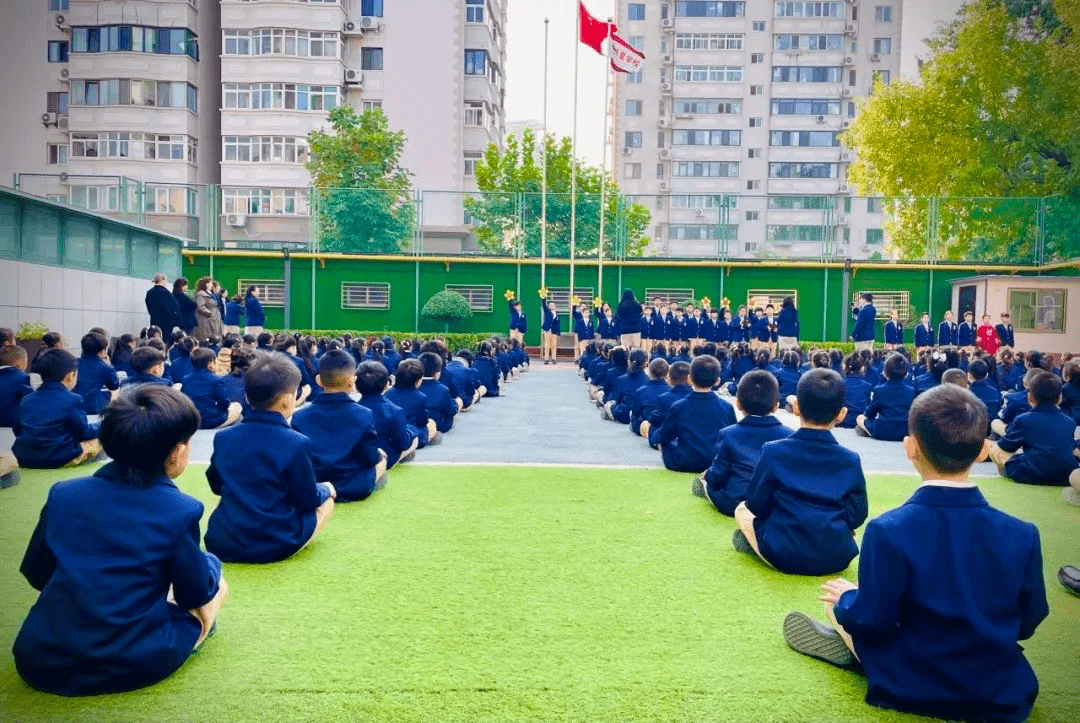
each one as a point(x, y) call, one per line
point(730, 132)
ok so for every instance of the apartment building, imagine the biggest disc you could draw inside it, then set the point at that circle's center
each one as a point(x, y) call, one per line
point(730, 132)
point(208, 103)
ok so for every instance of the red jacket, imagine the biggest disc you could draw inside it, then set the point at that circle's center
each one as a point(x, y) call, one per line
point(988, 339)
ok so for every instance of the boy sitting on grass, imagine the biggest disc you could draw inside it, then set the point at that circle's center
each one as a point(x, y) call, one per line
point(395, 438)
point(345, 449)
point(149, 366)
point(126, 593)
point(738, 447)
point(1038, 446)
point(52, 430)
point(687, 438)
point(808, 495)
point(271, 505)
point(14, 383)
point(948, 586)
point(207, 391)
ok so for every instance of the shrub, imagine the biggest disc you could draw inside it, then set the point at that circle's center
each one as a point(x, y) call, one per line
point(446, 306)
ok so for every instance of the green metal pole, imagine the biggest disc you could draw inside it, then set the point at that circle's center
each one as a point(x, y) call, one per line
point(313, 209)
point(825, 308)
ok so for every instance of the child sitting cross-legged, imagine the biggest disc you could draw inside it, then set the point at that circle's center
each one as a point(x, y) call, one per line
point(678, 380)
point(271, 505)
point(126, 593)
point(441, 406)
point(344, 447)
point(149, 366)
point(687, 438)
point(406, 394)
point(886, 416)
point(808, 495)
point(738, 447)
point(647, 396)
point(97, 383)
point(52, 430)
point(14, 383)
point(1038, 446)
point(207, 391)
point(395, 437)
point(948, 586)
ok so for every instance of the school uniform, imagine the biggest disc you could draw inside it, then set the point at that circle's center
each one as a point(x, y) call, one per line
point(51, 425)
point(517, 319)
point(121, 360)
point(857, 399)
point(610, 378)
point(458, 378)
point(723, 330)
point(887, 414)
point(583, 327)
point(14, 385)
point(1016, 403)
point(672, 328)
point(947, 333)
point(440, 405)
point(741, 328)
point(707, 329)
point(948, 585)
point(864, 324)
point(253, 312)
point(262, 471)
point(740, 366)
point(924, 336)
point(179, 368)
point(489, 375)
point(234, 314)
point(787, 322)
point(658, 327)
point(687, 438)
point(597, 371)
point(766, 330)
point(585, 362)
point(894, 333)
point(645, 327)
point(104, 556)
point(788, 380)
point(645, 400)
point(391, 359)
point(988, 395)
point(413, 403)
point(925, 383)
point(306, 377)
point(689, 328)
point(738, 448)
point(393, 433)
point(147, 378)
point(552, 322)
point(187, 311)
point(624, 392)
point(1010, 377)
point(1006, 334)
point(235, 391)
point(1070, 400)
point(95, 377)
point(664, 402)
point(207, 391)
point(1046, 436)
point(344, 446)
point(808, 495)
point(967, 334)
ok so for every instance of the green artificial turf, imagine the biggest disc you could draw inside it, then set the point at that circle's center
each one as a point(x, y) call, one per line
point(515, 593)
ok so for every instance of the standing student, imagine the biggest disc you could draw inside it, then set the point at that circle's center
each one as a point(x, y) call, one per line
point(584, 333)
point(552, 329)
point(234, 311)
point(629, 316)
point(924, 333)
point(687, 437)
point(741, 326)
point(518, 324)
point(968, 333)
point(948, 332)
point(894, 331)
point(986, 337)
point(14, 383)
point(1005, 331)
point(254, 316)
point(787, 324)
point(126, 595)
point(865, 314)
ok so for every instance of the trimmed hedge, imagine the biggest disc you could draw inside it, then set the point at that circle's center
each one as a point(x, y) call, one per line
point(454, 341)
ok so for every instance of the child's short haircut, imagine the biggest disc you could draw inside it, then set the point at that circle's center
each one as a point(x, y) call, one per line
point(679, 372)
point(466, 355)
point(658, 368)
point(957, 377)
point(12, 356)
point(758, 393)
point(140, 428)
point(978, 369)
point(93, 343)
point(896, 367)
point(146, 358)
point(1030, 374)
point(821, 394)
point(409, 372)
point(949, 423)
point(54, 364)
point(705, 371)
point(265, 338)
point(249, 339)
point(1045, 388)
point(269, 377)
point(371, 377)
point(432, 363)
point(6, 335)
point(202, 358)
point(241, 361)
point(337, 369)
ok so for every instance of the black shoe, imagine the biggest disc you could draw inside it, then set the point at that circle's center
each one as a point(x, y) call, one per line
point(741, 543)
point(697, 488)
point(810, 637)
point(11, 479)
point(1069, 577)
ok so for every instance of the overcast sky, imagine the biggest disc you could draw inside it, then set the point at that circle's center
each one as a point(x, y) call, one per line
point(525, 63)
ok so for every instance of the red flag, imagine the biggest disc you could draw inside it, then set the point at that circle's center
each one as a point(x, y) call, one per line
point(625, 58)
point(593, 32)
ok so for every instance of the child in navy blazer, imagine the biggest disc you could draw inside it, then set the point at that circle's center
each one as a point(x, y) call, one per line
point(97, 378)
point(395, 437)
point(1070, 390)
point(149, 366)
point(487, 369)
point(788, 375)
point(738, 446)
point(648, 394)
point(406, 394)
point(858, 389)
point(1015, 404)
point(583, 328)
point(126, 595)
point(551, 330)
point(271, 504)
point(948, 586)
point(678, 380)
point(52, 430)
point(14, 383)
point(980, 386)
point(344, 446)
point(948, 332)
point(687, 438)
point(621, 401)
point(441, 407)
point(894, 331)
point(808, 495)
point(1038, 446)
point(207, 391)
point(886, 416)
point(924, 333)
point(518, 323)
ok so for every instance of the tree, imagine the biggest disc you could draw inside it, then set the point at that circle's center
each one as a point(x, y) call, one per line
point(363, 196)
point(447, 306)
point(966, 157)
point(508, 212)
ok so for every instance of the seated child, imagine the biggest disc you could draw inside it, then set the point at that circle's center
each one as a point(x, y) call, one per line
point(687, 438)
point(858, 389)
point(149, 366)
point(239, 362)
point(886, 417)
point(52, 430)
point(207, 391)
point(406, 394)
point(808, 495)
point(1038, 446)
point(1016, 403)
point(621, 403)
point(180, 365)
point(441, 407)
point(648, 394)
point(121, 354)
point(14, 383)
point(395, 438)
point(97, 377)
point(981, 386)
point(124, 607)
point(956, 377)
point(271, 505)
point(948, 586)
point(738, 447)
point(678, 380)
point(344, 447)
point(1070, 391)
point(465, 378)
point(487, 369)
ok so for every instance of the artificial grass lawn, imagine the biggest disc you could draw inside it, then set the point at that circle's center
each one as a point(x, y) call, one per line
point(512, 593)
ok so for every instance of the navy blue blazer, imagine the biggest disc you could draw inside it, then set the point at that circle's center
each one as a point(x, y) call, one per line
point(1010, 377)
point(808, 496)
point(14, 385)
point(1016, 403)
point(738, 448)
point(517, 319)
point(413, 403)
point(864, 324)
point(723, 330)
point(658, 327)
point(488, 372)
point(687, 438)
point(583, 327)
point(741, 328)
point(551, 322)
point(262, 471)
point(894, 332)
point(623, 392)
point(787, 322)
point(967, 335)
point(947, 333)
point(924, 336)
point(207, 391)
point(788, 379)
point(440, 405)
point(933, 637)
point(51, 425)
point(179, 368)
point(989, 395)
point(95, 378)
point(253, 312)
point(146, 378)
point(234, 313)
point(390, 427)
point(857, 400)
point(105, 556)
point(1046, 435)
point(1006, 334)
point(689, 328)
point(344, 446)
point(458, 378)
point(645, 400)
point(767, 329)
point(663, 405)
point(187, 310)
point(887, 414)
point(235, 390)
point(1070, 401)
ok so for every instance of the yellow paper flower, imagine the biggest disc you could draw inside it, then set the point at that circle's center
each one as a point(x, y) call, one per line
point(543, 293)
point(706, 301)
point(509, 294)
point(598, 302)
point(725, 302)
point(575, 300)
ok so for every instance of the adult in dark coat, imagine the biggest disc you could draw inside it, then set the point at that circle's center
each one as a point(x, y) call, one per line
point(188, 322)
point(629, 314)
point(162, 307)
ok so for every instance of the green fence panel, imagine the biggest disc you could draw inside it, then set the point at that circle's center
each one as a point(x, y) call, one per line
point(41, 235)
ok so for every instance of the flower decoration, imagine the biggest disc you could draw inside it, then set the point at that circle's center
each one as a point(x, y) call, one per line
point(706, 301)
point(725, 302)
point(597, 302)
point(575, 300)
point(543, 292)
point(509, 294)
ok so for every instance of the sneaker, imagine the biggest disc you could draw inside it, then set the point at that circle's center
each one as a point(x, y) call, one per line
point(408, 458)
point(605, 414)
point(1001, 470)
point(383, 479)
point(11, 479)
point(1069, 577)
point(741, 543)
point(816, 639)
point(435, 439)
point(697, 488)
point(859, 431)
point(1071, 495)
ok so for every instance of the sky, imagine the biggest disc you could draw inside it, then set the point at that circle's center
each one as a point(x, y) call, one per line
point(525, 63)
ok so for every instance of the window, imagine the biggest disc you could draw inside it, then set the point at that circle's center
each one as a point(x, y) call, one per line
point(475, 62)
point(809, 9)
point(725, 9)
point(670, 296)
point(875, 236)
point(633, 107)
point(367, 105)
point(281, 41)
point(757, 58)
point(810, 139)
point(757, 90)
point(807, 74)
point(694, 202)
point(474, 11)
point(706, 169)
point(802, 170)
point(562, 296)
point(703, 232)
point(174, 200)
point(635, 11)
point(883, 46)
point(888, 301)
point(264, 149)
point(634, 78)
point(710, 106)
point(271, 292)
point(374, 8)
point(361, 295)
point(753, 185)
point(751, 215)
point(659, 170)
point(801, 203)
point(479, 297)
point(135, 91)
point(708, 41)
point(750, 246)
point(759, 26)
point(809, 43)
point(883, 13)
point(134, 38)
point(472, 158)
point(631, 170)
point(796, 233)
point(371, 58)
point(58, 5)
point(883, 75)
point(56, 102)
point(266, 201)
point(632, 139)
point(1040, 310)
point(709, 73)
point(57, 154)
point(756, 122)
point(753, 153)
point(706, 138)
point(58, 51)
point(474, 114)
point(764, 297)
point(107, 144)
point(874, 204)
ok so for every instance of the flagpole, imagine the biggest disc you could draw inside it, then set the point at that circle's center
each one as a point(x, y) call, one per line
point(543, 180)
point(573, 161)
point(603, 168)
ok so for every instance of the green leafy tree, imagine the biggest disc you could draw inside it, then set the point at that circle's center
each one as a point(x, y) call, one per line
point(446, 307)
point(508, 213)
point(363, 196)
point(965, 157)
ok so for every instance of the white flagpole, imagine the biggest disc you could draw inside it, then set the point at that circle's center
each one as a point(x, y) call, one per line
point(603, 167)
point(543, 181)
point(573, 159)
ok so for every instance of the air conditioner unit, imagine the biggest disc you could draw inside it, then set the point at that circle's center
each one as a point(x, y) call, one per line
point(844, 188)
point(369, 22)
point(663, 185)
point(665, 86)
point(63, 177)
point(665, 153)
point(875, 57)
point(841, 220)
point(350, 27)
point(666, 22)
point(48, 119)
point(62, 121)
point(663, 122)
point(866, 247)
point(668, 59)
point(237, 220)
point(850, 29)
point(64, 72)
point(60, 20)
point(626, 150)
point(849, 60)
point(354, 76)
point(700, 213)
point(821, 119)
point(846, 92)
point(845, 124)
